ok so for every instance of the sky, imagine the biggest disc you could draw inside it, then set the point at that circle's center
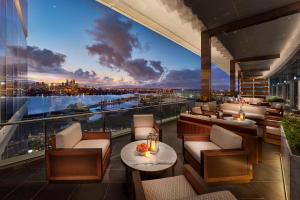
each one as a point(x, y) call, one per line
point(88, 42)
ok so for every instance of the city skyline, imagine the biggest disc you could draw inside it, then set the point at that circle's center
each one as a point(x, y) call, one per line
point(84, 46)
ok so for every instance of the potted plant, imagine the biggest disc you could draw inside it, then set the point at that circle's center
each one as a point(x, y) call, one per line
point(290, 150)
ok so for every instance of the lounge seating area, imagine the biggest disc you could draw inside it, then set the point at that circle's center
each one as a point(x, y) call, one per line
point(267, 176)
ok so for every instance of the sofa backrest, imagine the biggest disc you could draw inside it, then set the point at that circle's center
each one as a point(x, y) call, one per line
point(253, 100)
point(224, 138)
point(69, 137)
point(259, 110)
point(144, 120)
point(197, 110)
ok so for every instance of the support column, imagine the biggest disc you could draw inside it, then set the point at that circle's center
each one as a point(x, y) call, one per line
point(232, 78)
point(205, 65)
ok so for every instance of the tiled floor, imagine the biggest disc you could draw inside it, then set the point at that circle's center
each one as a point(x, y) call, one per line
point(28, 181)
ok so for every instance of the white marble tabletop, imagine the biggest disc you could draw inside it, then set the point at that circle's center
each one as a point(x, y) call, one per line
point(165, 158)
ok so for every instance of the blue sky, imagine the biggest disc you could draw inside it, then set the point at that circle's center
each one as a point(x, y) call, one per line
point(72, 39)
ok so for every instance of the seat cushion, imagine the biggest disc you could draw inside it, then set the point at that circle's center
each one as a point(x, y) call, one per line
point(221, 195)
point(97, 144)
point(273, 130)
point(69, 137)
point(176, 187)
point(195, 148)
point(143, 132)
point(197, 110)
point(224, 138)
point(143, 121)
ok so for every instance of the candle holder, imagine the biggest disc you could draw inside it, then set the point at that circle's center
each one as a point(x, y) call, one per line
point(153, 143)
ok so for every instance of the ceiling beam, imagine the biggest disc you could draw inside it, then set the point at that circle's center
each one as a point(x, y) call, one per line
point(244, 69)
point(271, 15)
point(257, 58)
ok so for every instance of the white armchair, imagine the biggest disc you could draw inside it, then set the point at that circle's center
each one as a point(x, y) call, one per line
point(219, 156)
point(188, 186)
point(144, 124)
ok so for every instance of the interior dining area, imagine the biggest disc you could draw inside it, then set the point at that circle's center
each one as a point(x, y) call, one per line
point(241, 144)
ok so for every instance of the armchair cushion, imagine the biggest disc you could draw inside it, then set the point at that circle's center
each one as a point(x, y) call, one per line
point(143, 121)
point(176, 187)
point(224, 195)
point(224, 138)
point(197, 110)
point(69, 137)
point(142, 133)
point(87, 144)
point(195, 148)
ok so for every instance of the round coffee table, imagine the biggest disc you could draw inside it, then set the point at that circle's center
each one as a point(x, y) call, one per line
point(164, 159)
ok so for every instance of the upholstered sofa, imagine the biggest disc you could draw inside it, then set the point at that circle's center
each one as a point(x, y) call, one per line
point(218, 156)
point(143, 124)
point(78, 156)
point(256, 113)
point(199, 124)
point(188, 186)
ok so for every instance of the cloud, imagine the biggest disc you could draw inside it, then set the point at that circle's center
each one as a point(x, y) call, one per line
point(47, 61)
point(190, 79)
point(185, 78)
point(114, 44)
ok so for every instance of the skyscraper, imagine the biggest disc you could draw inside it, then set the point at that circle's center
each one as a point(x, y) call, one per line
point(13, 66)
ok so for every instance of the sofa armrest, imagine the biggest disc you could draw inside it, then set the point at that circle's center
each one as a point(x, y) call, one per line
point(96, 135)
point(194, 179)
point(88, 164)
point(226, 165)
point(196, 137)
point(137, 185)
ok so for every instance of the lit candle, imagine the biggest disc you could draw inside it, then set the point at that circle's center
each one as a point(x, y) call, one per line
point(152, 146)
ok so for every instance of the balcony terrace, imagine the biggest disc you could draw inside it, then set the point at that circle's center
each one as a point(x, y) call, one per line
point(28, 180)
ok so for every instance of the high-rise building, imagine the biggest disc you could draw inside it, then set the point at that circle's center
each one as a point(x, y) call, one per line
point(13, 66)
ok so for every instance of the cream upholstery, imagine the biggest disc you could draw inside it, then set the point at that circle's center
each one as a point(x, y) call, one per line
point(143, 132)
point(203, 117)
point(143, 121)
point(69, 137)
point(195, 148)
point(253, 100)
point(221, 195)
point(197, 110)
point(88, 144)
point(273, 130)
point(176, 187)
point(224, 138)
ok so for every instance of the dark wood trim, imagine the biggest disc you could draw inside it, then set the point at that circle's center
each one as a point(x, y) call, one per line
point(232, 77)
point(208, 164)
point(267, 16)
point(139, 193)
point(245, 69)
point(194, 179)
point(205, 64)
point(96, 135)
point(257, 58)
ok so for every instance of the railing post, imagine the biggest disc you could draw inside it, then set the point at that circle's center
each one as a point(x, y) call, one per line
point(104, 124)
point(45, 135)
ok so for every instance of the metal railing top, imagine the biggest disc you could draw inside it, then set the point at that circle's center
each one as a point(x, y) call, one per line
point(90, 113)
